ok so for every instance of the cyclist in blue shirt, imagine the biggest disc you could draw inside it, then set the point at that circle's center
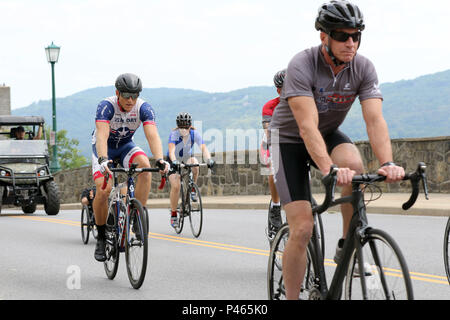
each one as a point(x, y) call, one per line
point(181, 143)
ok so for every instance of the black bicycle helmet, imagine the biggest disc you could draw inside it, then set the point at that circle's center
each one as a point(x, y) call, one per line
point(278, 79)
point(184, 119)
point(339, 15)
point(128, 82)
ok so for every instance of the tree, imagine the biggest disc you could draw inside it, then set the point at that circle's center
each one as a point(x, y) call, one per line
point(68, 154)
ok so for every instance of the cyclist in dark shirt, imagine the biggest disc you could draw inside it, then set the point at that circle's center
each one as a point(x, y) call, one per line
point(320, 86)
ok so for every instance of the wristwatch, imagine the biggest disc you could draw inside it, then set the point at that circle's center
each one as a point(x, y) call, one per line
point(389, 163)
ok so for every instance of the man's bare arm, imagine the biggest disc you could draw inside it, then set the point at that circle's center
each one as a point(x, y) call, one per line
point(305, 113)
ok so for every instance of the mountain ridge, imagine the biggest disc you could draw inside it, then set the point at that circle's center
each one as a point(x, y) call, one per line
point(413, 108)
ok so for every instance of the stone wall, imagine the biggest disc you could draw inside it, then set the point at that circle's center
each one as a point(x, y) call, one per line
point(238, 177)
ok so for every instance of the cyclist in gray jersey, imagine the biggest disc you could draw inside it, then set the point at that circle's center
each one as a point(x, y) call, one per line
point(321, 85)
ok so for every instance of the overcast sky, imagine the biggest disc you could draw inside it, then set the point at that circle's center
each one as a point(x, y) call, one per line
point(210, 45)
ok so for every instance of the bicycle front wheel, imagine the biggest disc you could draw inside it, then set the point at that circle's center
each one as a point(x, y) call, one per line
point(136, 245)
point(385, 273)
point(195, 211)
point(446, 249)
point(85, 224)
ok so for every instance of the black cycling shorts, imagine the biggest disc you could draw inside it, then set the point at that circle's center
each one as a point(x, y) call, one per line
point(291, 166)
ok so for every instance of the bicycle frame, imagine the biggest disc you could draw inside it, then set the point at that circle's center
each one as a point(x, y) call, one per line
point(356, 232)
point(117, 196)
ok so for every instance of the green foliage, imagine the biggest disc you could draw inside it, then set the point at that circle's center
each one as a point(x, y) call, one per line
point(69, 156)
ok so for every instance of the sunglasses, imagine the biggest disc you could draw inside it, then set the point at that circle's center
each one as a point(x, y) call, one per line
point(343, 36)
point(127, 95)
point(184, 127)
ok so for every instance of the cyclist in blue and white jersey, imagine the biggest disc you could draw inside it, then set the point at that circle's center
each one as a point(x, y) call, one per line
point(118, 117)
point(181, 143)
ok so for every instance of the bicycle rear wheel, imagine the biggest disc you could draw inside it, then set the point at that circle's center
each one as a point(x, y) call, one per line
point(85, 224)
point(385, 272)
point(446, 249)
point(182, 209)
point(275, 283)
point(136, 245)
point(195, 211)
point(92, 222)
point(112, 242)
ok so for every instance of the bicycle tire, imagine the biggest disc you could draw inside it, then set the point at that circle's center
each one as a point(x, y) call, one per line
point(136, 244)
point(92, 223)
point(181, 208)
point(385, 270)
point(446, 249)
point(146, 219)
point(275, 283)
point(112, 243)
point(321, 234)
point(85, 224)
point(196, 212)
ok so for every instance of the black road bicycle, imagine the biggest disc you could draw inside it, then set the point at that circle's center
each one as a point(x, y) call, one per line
point(190, 201)
point(372, 265)
point(446, 249)
point(271, 231)
point(87, 222)
point(127, 227)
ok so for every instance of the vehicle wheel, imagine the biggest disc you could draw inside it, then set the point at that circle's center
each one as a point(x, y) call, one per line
point(112, 243)
point(2, 188)
point(136, 245)
point(29, 208)
point(85, 224)
point(181, 210)
point(51, 204)
point(196, 213)
point(385, 272)
point(447, 250)
point(275, 282)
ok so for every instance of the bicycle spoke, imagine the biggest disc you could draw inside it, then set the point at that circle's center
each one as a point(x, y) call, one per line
point(196, 212)
point(384, 270)
point(136, 244)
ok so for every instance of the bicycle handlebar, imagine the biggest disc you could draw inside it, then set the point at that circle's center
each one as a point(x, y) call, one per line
point(329, 181)
point(192, 165)
point(131, 171)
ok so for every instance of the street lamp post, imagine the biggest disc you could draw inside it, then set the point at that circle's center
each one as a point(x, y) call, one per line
point(52, 52)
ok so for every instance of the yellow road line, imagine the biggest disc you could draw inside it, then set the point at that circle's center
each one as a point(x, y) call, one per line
point(198, 241)
point(235, 248)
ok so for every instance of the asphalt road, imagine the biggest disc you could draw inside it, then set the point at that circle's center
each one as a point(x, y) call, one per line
point(43, 257)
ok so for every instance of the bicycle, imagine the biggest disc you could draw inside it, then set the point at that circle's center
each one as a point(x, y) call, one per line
point(88, 222)
point(271, 230)
point(384, 272)
point(127, 227)
point(447, 249)
point(189, 192)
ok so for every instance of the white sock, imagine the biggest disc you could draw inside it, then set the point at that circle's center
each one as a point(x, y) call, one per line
point(275, 204)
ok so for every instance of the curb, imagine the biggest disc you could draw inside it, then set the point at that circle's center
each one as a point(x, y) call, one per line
point(371, 208)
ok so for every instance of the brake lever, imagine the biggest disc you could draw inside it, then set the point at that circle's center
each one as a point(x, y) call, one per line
point(423, 176)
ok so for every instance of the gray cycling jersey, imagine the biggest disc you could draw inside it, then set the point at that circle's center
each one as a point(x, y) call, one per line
point(309, 75)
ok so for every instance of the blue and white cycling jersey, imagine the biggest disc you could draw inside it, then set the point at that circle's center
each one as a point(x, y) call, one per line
point(122, 124)
point(184, 147)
